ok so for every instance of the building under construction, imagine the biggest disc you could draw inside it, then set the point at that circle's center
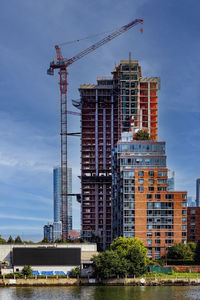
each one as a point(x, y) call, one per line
point(106, 111)
point(62, 64)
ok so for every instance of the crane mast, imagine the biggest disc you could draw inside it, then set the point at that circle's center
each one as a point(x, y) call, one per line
point(62, 64)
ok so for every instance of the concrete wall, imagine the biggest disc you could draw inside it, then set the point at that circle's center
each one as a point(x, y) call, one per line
point(108, 282)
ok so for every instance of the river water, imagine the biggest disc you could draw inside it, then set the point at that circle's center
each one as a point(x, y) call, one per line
point(102, 293)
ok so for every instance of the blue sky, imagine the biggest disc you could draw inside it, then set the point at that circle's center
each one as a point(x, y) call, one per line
point(29, 106)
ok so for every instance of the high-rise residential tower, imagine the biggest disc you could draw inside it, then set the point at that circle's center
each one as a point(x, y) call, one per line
point(141, 204)
point(106, 110)
point(48, 232)
point(57, 201)
point(198, 192)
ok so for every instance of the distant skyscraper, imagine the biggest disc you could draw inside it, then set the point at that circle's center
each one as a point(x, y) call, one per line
point(198, 192)
point(171, 180)
point(57, 198)
point(57, 230)
point(56, 194)
point(48, 232)
point(191, 202)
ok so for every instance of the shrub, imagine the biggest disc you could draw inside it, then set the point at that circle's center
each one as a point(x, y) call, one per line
point(75, 272)
point(27, 271)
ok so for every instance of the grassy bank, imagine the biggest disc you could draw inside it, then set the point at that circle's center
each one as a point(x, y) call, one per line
point(175, 275)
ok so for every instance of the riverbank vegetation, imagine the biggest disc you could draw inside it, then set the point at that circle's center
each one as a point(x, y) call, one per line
point(127, 257)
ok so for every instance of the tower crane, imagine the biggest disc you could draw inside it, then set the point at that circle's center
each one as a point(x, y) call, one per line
point(62, 65)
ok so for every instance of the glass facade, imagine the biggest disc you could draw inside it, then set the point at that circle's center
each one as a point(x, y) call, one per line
point(127, 157)
point(48, 232)
point(171, 180)
point(56, 194)
point(198, 192)
point(57, 197)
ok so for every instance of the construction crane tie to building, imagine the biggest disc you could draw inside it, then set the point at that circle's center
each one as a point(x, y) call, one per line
point(62, 64)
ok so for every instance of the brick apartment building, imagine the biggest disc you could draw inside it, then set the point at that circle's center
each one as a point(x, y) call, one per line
point(142, 206)
point(193, 224)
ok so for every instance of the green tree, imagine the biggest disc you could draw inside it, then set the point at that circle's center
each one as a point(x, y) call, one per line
point(109, 264)
point(75, 272)
point(2, 241)
point(180, 251)
point(18, 240)
point(142, 135)
point(45, 240)
point(192, 246)
point(138, 260)
point(27, 271)
point(197, 253)
point(133, 250)
point(127, 256)
point(10, 240)
point(61, 241)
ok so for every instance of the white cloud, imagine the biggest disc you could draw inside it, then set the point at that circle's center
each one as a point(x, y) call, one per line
point(22, 228)
point(24, 218)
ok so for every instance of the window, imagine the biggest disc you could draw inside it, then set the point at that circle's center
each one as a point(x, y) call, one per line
point(184, 212)
point(140, 188)
point(169, 241)
point(192, 211)
point(128, 174)
point(151, 173)
point(169, 234)
point(184, 204)
point(141, 181)
point(151, 188)
point(192, 224)
point(162, 189)
point(162, 181)
point(157, 234)
point(157, 196)
point(184, 227)
point(184, 233)
point(149, 227)
point(149, 233)
point(149, 251)
point(157, 241)
point(141, 173)
point(151, 181)
point(149, 242)
point(169, 196)
point(184, 219)
point(162, 173)
point(157, 205)
point(149, 196)
point(184, 196)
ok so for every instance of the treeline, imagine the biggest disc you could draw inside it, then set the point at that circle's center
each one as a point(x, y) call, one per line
point(18, 240)
point(128, 257)
point(184, 254)
point(10, 240)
